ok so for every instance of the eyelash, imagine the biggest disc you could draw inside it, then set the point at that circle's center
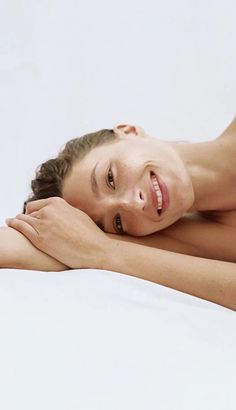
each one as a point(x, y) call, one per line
point(118, 225)
point(110, 174)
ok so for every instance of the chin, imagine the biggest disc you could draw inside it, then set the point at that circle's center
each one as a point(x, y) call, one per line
point(146, 232)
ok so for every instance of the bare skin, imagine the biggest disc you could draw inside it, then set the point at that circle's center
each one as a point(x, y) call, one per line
point(208, 205)
point(206, 228)
point(211, 229)
point(205, 232)
point(70, 236)
point(17, 252)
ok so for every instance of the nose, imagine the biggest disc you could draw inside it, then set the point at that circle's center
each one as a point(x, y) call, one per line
point(134, 201)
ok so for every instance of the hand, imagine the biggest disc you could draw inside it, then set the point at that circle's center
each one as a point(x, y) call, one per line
point(63, 232)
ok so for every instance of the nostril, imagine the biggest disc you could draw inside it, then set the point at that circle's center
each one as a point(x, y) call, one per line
point(140, 195)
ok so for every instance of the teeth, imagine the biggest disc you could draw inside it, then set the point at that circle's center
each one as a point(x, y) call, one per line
point(158, 191)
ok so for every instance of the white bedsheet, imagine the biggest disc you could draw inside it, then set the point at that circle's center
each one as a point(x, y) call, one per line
point(99, 340)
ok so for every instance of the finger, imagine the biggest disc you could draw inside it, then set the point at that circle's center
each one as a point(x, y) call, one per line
point(23, 227)
point(30, 220)
point(34, 214)
point(34, 206)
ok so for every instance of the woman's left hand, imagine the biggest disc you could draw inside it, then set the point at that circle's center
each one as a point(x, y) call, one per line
point(63, 232)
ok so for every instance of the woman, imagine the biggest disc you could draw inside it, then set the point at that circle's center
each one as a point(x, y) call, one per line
point(161, 211)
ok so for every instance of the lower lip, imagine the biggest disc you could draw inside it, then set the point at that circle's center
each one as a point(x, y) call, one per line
point(165, 194)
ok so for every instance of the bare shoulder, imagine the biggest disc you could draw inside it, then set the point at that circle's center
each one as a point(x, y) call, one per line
point(229, 132)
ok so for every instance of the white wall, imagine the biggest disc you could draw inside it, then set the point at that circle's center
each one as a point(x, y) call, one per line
point(70, 67)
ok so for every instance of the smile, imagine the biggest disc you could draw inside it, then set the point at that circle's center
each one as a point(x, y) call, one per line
point(162, 193)
point(157, 191)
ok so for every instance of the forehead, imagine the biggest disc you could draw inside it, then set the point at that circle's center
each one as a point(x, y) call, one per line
point(111, 146)
point(104, 151)
point(78, 178)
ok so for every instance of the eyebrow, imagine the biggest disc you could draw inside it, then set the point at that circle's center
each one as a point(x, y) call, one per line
point(94, 183)
point(96, 192)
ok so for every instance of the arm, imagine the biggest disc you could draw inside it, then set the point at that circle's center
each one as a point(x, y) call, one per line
point(69, 235)
point(18, 252)
point(162, 240)
point(208, 279)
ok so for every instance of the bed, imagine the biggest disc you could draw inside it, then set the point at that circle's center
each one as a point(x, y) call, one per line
point(98, 340)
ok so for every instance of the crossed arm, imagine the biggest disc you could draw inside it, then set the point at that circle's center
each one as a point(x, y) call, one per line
point(17, 252)
point(208, 279)
point(157, 258)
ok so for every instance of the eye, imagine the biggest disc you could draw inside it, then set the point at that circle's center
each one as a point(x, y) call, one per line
point(110, 178)
point(118, 224)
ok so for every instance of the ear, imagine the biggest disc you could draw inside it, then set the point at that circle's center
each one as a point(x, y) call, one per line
point(131, 130)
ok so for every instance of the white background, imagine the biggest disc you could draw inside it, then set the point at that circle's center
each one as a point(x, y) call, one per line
point(71, 67)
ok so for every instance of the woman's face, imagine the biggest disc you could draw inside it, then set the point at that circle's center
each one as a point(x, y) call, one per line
point(113, 183)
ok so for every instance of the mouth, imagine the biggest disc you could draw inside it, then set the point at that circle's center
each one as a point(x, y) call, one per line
point(159, 194)
point(156, 194)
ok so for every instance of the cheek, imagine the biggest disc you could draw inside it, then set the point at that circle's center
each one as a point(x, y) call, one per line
point(144, 229)
point(128, 166)
point(90, 209)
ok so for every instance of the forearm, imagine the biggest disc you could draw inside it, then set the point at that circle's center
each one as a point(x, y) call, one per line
point(208, 279)
point(17, 252)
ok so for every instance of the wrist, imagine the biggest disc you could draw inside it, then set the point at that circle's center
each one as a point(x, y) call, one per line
point(108, 253)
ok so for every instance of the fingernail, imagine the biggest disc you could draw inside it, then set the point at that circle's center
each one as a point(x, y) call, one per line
point(7, 221)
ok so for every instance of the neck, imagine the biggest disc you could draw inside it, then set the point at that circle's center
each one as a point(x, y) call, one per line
point(202, 161)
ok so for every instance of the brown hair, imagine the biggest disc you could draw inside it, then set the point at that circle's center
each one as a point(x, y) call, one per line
point(50, 175)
